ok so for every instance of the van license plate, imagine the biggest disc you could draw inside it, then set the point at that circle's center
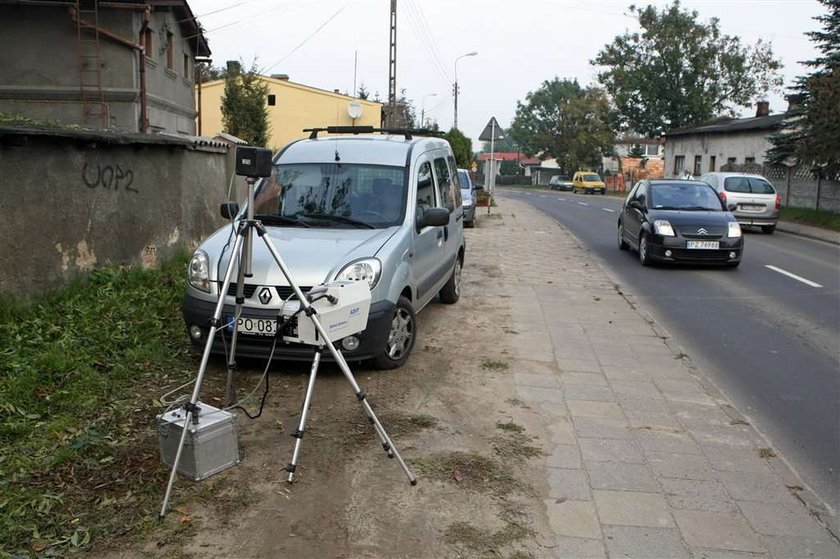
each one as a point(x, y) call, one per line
point(707, 245)
point(253, 326)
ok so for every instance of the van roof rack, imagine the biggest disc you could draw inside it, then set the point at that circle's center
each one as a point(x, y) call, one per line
point(407, 132)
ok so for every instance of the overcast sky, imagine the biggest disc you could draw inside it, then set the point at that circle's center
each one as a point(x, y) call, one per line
point(520, 43)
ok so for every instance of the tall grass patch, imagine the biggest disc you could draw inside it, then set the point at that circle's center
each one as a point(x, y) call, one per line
point(79, 372)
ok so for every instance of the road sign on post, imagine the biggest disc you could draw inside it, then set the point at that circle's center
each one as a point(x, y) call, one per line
point(491, 133)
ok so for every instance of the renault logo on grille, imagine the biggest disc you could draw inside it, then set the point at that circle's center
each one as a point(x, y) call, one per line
point(265, 295)
point(702, 231)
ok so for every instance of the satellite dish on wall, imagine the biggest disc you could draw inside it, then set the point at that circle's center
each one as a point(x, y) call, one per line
point(354, 109)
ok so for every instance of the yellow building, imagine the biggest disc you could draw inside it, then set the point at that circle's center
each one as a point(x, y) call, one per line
point(291, 108)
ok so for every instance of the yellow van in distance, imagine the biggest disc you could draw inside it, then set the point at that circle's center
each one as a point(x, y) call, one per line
point(588, 182)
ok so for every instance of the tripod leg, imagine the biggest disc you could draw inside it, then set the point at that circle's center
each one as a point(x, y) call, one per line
point(360, 394)
point(215, 324)
point(230, 389)
point(298, 435)
point(339, 358)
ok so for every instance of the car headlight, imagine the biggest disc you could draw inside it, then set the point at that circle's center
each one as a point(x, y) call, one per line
point(663, 227)
point(368, 270)
point(198, 272)
point(734, 229)
point(467, 203)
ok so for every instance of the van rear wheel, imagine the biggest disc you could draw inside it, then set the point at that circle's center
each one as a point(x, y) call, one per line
point(451, 290)
point(401, 337)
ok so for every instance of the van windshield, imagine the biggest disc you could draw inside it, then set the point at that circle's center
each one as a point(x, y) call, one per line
point(334, 195)
point(590, 178)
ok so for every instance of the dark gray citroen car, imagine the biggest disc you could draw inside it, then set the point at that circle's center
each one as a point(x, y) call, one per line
point(679, 221)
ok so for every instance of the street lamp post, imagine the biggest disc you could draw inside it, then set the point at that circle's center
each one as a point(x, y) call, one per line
point(455, 124)
point(423, 109)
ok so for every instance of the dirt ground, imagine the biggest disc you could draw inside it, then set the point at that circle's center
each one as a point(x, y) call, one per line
point(451, 412)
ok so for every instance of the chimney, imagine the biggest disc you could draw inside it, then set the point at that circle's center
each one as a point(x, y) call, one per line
point(763, 108)
point(336, 90)
point(283, 77)
point(794, 101)
point(234, 67)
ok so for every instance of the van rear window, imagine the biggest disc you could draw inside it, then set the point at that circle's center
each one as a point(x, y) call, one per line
point(751, 185)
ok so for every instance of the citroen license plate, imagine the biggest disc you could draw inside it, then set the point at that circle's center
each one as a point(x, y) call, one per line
point(705, 245)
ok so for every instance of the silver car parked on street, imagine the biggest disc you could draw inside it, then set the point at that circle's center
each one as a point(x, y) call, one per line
point(752, 199)
point(378, 208)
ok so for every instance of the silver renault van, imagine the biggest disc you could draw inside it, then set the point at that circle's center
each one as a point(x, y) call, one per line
point(382, 208)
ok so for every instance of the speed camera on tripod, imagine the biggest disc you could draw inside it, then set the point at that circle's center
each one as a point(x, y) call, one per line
point(253, 161)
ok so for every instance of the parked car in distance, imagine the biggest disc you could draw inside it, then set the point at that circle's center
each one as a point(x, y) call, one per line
point(380, 209)
point(468, 197)
point(588, 182)
point(752, 198)
point(679, 221)
point(561, 182)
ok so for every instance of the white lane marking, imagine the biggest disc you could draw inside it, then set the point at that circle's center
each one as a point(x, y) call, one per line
point(562, 199)
point(543, 196)
point(608, 210)
point(583, 203)
point(794, 276)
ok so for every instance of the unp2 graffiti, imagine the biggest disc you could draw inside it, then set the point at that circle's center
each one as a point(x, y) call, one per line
point(109, 177)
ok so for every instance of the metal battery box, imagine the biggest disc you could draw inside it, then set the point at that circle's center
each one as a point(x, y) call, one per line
point(210, 446)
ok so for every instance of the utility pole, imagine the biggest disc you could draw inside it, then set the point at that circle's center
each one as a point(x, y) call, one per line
point(392, 69)
point(455, 87)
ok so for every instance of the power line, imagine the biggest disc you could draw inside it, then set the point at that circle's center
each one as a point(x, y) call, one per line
point(291, 52)
point(425, 44)
point(253, 17)
point(425, 25)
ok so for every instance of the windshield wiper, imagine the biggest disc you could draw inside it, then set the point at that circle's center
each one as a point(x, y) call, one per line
point(276, 219)
point(699, 209)
point(339, 218)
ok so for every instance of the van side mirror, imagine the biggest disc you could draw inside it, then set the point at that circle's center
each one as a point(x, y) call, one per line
point(636, 204)
point(478, 187)
point(229, 209)
point(434, 217)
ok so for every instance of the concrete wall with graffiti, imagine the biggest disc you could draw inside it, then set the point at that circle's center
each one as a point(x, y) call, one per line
point(72, 201)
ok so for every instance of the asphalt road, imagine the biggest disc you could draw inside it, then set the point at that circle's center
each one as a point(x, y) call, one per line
point(770, 341)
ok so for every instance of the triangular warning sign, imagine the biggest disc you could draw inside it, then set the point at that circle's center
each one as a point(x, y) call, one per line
point(492, 131)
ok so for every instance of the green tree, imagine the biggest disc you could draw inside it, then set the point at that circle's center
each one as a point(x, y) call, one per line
point(678, 71)
point(567, 122)
point(636, 150)
point(461, 147)
point(505, 145)
point(244, 110)
point(810, 132)
point(510, 167)
point(363, 92)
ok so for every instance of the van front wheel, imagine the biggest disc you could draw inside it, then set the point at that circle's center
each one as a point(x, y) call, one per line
point(401, 337)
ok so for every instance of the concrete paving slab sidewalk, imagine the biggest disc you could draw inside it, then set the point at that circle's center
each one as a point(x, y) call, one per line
point(646, 457)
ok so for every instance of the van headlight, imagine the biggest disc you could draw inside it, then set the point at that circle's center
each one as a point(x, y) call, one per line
point(198, 272)
point(663, 227)
point(368, 269)
point(734, 229)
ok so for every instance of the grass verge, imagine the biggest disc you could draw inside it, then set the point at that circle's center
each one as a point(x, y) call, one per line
point(78, 449)
point(814, 218)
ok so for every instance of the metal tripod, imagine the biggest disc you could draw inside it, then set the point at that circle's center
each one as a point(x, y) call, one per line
point(242, 255)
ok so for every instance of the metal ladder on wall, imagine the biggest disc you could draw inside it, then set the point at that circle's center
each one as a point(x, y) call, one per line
point(94, 108)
